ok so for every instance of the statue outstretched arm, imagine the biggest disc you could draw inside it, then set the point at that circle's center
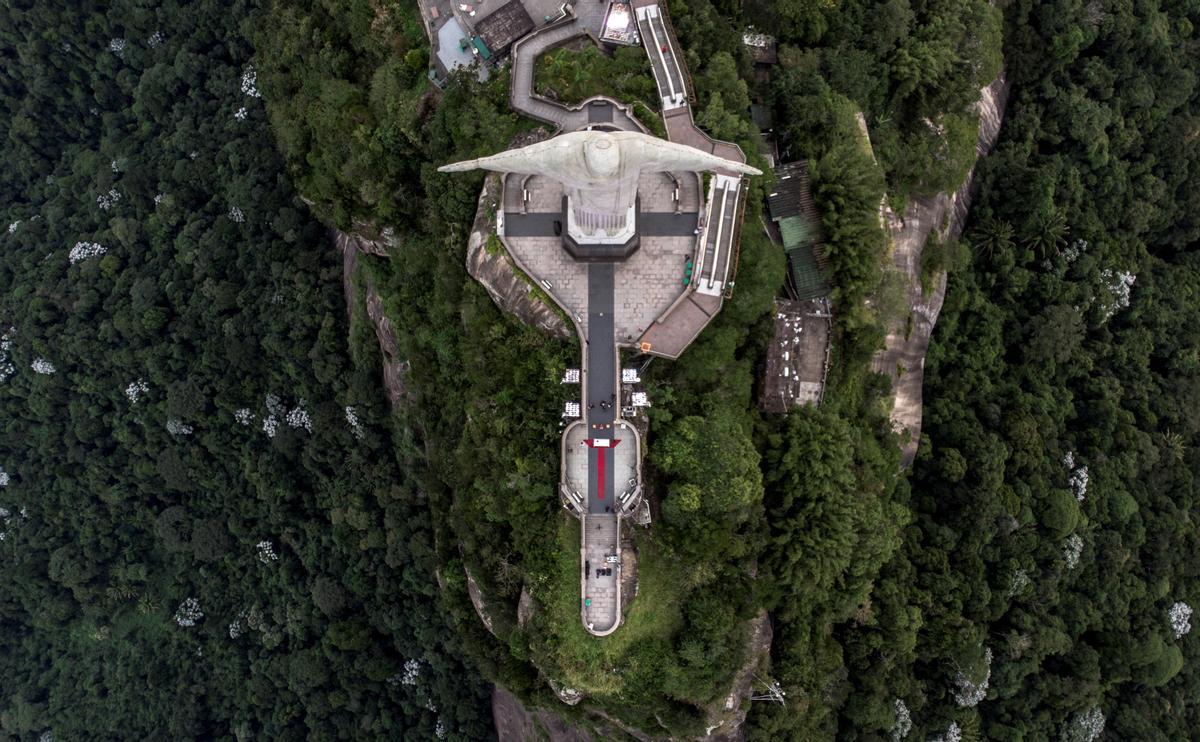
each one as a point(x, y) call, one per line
point(659, 155)
point(540, 158)
point(631, 152)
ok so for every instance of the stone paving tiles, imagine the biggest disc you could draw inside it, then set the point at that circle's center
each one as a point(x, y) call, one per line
point(648, 282)
point(601, 540)
point(645, 285)
point(575, 465)
point(625, 457)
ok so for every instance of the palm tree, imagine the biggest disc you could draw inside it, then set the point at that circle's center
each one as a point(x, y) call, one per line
point(992, 236)
point(1047, 232)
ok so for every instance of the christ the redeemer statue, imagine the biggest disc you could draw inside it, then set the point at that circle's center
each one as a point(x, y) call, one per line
point(600, 171)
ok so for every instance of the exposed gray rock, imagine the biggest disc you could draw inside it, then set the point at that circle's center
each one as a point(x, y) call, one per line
point(394, 368)
point(351, 245)
point(525, 608)
point(515, 723)
point(495, 270)
point(903, 356)
point(365, 238)
point(477, 601)
point(725, 723)
point(569, 696)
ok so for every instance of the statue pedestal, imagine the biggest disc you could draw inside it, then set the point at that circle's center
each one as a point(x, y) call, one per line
point(601, 245)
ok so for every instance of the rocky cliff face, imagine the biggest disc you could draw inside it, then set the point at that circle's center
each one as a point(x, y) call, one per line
point(495, 270)
point(903, 356)
point(351, 245)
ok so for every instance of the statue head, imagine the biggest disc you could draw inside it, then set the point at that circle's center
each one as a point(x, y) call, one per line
point(601, 157)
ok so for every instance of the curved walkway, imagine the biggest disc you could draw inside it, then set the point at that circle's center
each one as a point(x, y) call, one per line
point(525, 54)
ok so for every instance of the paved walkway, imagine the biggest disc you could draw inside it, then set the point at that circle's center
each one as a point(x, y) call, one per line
point(675, 330)
point(601, 387)
point(526, 52)
point(601, 592)
point(646, 284)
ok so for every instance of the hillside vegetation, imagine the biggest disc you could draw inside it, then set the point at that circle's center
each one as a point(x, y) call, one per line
point(204, 529)
point(215, 527)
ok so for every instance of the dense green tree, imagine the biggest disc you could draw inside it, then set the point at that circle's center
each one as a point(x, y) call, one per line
point(178, 462)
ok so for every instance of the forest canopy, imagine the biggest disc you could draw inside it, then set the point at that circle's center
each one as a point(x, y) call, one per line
point(215, 525)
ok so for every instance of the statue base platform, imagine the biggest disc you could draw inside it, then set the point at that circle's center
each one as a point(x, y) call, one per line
point(603, 250)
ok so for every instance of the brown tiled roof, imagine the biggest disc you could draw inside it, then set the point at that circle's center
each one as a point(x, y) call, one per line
point(500, 29)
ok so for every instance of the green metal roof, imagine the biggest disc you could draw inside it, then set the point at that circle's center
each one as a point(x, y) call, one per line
point(799, 240)
point(810, 282)
point(796, 231)
point(484, 52)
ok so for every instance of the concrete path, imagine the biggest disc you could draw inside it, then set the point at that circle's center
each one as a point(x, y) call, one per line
point(525, 53)
point(601, 386)
point(601, 592)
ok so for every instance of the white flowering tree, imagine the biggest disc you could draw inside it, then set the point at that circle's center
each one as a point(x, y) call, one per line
point(42, 366)
point(1086, 726)
point(7, 369)
point(238, 625)
point(1077, 477)
point(298, 417)
point(266, 552)
point(1119, 285)
point(968, 690)
point(85, 250)
point(1180, 616)
point(952, 734)
point(250, 82)
point(243, 415)
point(1072, 550)
point(6, 521)
point(136, 390)
point(354, 423)
point(177, 427)
point(1018, 582)
point(108, 200)
point(903, 724)
point(275, 410)
point(188, 614)
point(412, 671)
